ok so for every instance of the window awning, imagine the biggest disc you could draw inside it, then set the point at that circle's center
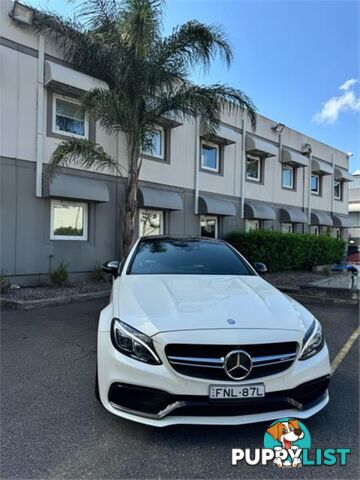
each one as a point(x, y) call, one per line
point(67, 79)
point(162, 199)
point(260, 147)
point(317, 166)
point(263, 212)
point(216, 206)
point(354, 207)
point(342, 174)
point(321, 218)
point(77, 188)
point(224, 135)
point(292, 215)
point(170, 121)
point(342, 221)
point(293, 158)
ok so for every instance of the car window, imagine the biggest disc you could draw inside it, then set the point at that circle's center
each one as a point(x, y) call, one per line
point(186, 256)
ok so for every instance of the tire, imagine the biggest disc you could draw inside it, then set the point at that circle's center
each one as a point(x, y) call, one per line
point(97, 394)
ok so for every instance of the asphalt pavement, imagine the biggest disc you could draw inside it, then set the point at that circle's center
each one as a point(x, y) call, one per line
point(53, 427)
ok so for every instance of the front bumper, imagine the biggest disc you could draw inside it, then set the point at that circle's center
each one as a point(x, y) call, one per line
point(159, 396)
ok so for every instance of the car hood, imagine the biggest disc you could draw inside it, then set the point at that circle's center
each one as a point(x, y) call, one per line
point(164, 303)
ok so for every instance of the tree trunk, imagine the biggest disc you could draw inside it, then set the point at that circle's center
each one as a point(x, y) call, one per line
point(129, 233)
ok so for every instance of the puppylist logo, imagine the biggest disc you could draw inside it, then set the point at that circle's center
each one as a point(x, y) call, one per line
point(287, 444)
point(287, 438)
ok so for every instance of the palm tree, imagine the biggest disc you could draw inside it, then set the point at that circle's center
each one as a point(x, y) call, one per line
point(121, 42)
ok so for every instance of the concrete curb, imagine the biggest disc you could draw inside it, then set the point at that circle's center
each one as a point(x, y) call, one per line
point(337, 293)
point(315, 294)
point(309, 295)
point(318, 299)
point(48, 302)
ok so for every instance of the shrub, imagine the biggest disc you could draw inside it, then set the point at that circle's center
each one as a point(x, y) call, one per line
point(4, 282)
point(60, 276)
point(98, 273)
point(326, 270)
point(284, 251)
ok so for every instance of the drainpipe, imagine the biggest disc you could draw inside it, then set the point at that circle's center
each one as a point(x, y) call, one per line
point(117, 207)
point(280, 148)
point(280, 158)
point(197, 166)
point(243, 164)
point(40, 116)
point(332, 184)
point(309, 192)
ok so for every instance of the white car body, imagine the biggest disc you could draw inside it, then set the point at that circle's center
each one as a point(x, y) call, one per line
point(194, 310)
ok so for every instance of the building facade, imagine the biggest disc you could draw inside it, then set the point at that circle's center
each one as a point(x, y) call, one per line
point(273, 177)
point(354, 209)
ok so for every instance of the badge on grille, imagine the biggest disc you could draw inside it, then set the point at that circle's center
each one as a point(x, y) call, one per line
point(237, 364)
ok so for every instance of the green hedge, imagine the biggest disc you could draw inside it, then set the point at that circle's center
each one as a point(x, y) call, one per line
point(286, 251)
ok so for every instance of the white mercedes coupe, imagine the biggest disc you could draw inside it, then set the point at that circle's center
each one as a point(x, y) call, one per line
point(193, 334)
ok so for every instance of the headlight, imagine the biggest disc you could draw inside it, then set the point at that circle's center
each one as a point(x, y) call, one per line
point(133, 343)
point(313, 341)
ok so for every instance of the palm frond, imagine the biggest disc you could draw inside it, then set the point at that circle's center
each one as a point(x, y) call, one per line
point(83, 153)
point(194, 44)
point(111, 108)
point(97, 14)
point(80, 48)
point(206, 102)
point(120, 42)
point(141, 23)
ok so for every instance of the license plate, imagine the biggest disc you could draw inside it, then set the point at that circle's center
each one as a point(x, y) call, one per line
point(236, 392)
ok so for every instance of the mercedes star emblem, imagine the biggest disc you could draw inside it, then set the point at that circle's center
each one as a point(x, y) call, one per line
point(237, 364)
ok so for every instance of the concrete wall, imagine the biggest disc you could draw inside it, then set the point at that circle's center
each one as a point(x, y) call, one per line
point(354, 198)
point(19, 81)
point(26, 248)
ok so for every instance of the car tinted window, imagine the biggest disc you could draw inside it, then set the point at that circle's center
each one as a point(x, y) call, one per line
point(186, 256)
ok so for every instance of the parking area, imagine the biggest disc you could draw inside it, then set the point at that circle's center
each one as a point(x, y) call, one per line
point(53, 427)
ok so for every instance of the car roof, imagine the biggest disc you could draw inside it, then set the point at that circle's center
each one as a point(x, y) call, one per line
point(149, 238)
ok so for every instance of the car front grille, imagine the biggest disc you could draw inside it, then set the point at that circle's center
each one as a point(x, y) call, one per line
point(207, 361)
point(157, 404)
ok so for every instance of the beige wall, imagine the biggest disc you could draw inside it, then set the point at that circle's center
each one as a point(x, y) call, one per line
point(18, 134)
point(18, 73)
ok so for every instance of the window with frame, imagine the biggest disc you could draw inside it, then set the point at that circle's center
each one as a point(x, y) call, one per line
point(287, 177)
point(151, 222)
point(315, 230)
point(210, 156)
point(325, 230)
point(69, 118)
point(315, 184)
point(253, 224)
point(287, 227)
point(253, 168)
point(337, 190)
point(156, 143)
point(68, 220)
point(337, 232)
point(208, 226)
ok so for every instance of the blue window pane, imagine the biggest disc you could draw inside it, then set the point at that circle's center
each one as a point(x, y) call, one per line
point(287, 177)
point(314, 183)
point(70, 125)
point(209, 157)
point(156, 145)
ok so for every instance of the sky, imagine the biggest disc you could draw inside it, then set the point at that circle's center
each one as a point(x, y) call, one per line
point(299, 61)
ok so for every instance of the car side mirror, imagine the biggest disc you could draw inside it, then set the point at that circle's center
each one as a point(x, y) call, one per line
point(111, 267)
point(260, 267)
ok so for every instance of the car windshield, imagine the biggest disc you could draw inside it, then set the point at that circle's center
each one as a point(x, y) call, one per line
point(187, 257)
